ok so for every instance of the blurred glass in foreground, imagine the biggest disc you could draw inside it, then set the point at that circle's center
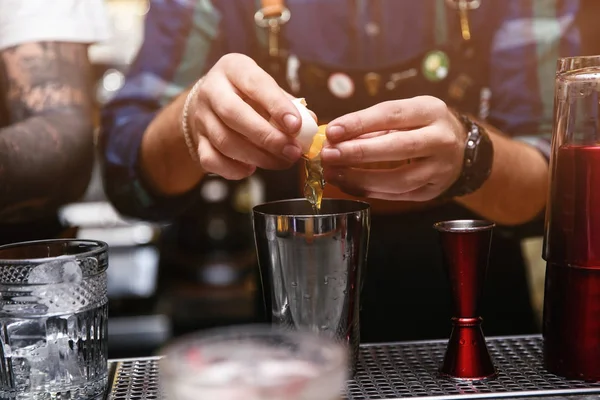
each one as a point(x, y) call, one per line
point(256, 362)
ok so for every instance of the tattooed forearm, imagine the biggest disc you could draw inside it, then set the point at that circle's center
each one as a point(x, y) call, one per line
point(46, 149)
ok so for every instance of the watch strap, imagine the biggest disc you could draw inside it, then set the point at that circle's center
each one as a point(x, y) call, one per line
point(477, 161)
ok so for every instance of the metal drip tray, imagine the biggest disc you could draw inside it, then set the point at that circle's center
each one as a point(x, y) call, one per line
point(400, 370)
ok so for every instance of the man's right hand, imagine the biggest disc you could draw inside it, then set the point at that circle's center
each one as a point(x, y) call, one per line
point(240, 119)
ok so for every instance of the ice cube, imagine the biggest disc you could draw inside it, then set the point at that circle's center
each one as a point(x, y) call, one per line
point(61, 362)
point(32, 360)
point(26, 338)
point(71, 272)
point(23, 333)
point(56, 271)
point(61, 278)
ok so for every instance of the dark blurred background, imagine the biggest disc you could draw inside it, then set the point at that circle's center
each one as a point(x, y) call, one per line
point(160, 286)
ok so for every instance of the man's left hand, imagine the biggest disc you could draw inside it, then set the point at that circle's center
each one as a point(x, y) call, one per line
point(420, 129)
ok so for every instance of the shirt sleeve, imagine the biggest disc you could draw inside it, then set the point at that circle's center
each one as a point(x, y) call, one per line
point(181, 42)
point(79, 21)
point(523, 66)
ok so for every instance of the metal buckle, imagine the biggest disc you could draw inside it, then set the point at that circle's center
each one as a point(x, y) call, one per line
point(263, 21)
point(470, 4)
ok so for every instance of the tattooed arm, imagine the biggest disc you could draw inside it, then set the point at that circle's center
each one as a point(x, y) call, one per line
point(46, 149)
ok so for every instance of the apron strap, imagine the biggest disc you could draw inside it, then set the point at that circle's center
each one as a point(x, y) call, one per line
point(271, 16)
point(441, 24)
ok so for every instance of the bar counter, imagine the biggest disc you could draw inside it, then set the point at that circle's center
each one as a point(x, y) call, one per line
point(405, 370)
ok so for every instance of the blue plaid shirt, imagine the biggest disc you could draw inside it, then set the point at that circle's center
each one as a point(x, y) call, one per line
point(184, 38)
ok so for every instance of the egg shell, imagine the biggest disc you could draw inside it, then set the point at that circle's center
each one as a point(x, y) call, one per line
point(309, 127)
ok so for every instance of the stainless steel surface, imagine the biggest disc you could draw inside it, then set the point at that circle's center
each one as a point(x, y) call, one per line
point(399, 370)
point(134, 379)
point(311, 265)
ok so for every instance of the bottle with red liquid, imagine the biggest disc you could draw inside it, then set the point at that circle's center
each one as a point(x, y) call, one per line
point(571, 327)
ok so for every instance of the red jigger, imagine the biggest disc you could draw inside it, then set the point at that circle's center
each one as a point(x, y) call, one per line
point(466, 248)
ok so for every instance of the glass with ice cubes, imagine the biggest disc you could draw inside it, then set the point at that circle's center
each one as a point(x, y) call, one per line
point(254, 363)
point(53, 319)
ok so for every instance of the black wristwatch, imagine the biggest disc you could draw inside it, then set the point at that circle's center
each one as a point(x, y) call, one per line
point(477, 161)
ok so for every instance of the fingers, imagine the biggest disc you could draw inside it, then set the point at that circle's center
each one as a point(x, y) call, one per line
point(402, 114)
point(424, 193)
point(233, 145)
point(214, 162)
point(260, 87)
point(246, 115)
point(374, 134)
point(398, 180)
point(239, 116)
point(393, 146)
point(406, 183)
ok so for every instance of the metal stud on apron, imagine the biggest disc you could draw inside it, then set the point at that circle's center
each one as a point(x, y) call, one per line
point(340, 85)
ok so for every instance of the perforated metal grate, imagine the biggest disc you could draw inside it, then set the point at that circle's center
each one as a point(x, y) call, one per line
point(400, 370)
point(135, 379)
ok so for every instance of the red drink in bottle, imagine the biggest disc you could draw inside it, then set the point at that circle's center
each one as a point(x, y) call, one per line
point(572, 234)
point(572, 297)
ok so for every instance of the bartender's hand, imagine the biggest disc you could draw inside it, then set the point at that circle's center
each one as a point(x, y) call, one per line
point(421, 129)
point(230, 117)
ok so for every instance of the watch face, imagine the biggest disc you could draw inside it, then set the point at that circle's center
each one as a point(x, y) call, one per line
point(482, 157)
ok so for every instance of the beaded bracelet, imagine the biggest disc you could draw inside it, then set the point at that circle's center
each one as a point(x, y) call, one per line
point(185, 129)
